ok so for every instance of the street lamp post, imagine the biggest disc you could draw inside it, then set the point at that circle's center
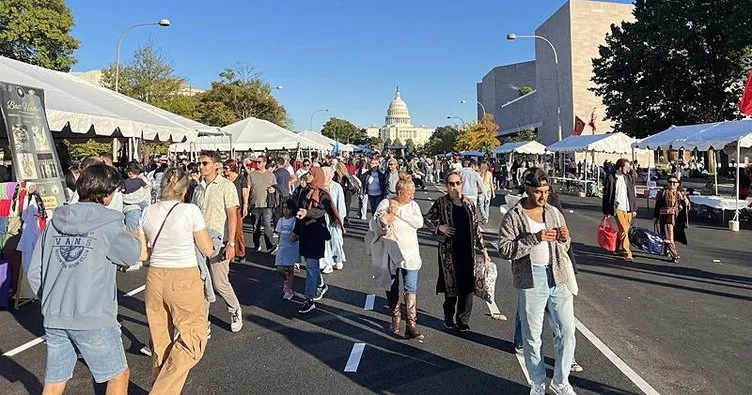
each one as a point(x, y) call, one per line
point(314, 113)
point(453, 117)
point(512, 36)
point(480, 104)
point(162, 22)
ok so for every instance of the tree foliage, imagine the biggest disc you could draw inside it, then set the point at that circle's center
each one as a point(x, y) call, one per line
point(86, 149)
point(148, 77)
point(522, 136)
point(376, 144)
point(479, 135)
point(524, 90)
point(244, 93)
point(38, 32)
point(344, 131)
point(680, 62)
point(444, 139)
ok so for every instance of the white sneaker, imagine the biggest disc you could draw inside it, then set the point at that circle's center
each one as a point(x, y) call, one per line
point(562, 389)
point(135, 267)
point(328, 269)
point(538, 389)
point(145, 350)
point(236, 321)
point(288, 295)
point(339, 266)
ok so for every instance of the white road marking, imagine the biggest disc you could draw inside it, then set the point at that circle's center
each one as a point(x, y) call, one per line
point(355, 355)
point(40, 339)
point(618, 362)
point(603, 348)
point(369, 302)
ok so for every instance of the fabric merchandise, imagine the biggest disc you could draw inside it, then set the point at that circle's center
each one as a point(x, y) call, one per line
point(79, 251)
point(5, 283)
point(30, 232)
point(441, 212)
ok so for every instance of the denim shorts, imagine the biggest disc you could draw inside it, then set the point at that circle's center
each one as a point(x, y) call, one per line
point(102, 350)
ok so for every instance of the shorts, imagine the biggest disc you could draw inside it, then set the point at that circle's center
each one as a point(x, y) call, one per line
point(102, 350)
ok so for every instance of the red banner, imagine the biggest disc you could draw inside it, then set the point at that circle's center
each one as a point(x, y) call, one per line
point(745, 107)
point(579, 126)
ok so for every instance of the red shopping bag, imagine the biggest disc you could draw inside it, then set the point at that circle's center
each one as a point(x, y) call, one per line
point(607, 235)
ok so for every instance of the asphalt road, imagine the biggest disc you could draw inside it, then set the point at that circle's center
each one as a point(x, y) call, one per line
point(678, 329)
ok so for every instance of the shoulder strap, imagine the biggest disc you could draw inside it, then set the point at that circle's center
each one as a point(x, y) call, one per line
point(159, 232)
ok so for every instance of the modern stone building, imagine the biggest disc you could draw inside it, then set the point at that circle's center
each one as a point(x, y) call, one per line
point(576, 30)
point(95, 77)
point(398, 125)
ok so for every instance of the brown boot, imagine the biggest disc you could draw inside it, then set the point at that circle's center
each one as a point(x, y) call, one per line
point(411, 305)
point(394, 309)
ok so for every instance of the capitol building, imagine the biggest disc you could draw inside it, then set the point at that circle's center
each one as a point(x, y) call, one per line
point(398, 125)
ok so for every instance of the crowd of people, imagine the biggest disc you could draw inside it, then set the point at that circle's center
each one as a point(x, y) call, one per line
point(192, 230)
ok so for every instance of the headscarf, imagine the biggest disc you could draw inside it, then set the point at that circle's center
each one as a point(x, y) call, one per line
point(328, 177)
point(322, 178)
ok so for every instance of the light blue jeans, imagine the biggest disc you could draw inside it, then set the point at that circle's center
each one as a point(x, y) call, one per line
point(532, 308)
point(313, 276)
point(409, 280)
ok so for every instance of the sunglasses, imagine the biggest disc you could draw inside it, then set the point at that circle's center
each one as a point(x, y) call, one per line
point(673, 182)
point(454, 183)
point(206, 163)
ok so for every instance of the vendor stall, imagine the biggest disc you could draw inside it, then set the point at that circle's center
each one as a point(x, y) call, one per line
point(730, 136)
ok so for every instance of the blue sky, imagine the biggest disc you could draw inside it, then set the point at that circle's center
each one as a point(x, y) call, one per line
point(345, 55)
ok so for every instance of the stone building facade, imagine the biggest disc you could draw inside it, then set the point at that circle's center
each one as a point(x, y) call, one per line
point(398, 125)
point(576, 30)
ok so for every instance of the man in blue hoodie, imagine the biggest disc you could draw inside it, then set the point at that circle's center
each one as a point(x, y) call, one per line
point(73, 270)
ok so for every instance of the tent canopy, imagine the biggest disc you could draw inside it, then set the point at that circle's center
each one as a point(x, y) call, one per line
point(524, 147)
point(250, 134)
point(701, 137)
point(611, 143)
point(325, 141)
point(83, 106)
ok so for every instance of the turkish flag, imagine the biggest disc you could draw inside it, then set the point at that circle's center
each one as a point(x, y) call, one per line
point(745, 107)
point(579, 126)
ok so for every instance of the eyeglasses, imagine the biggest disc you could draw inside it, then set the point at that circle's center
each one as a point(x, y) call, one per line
point(206, 163)
point(454, 183)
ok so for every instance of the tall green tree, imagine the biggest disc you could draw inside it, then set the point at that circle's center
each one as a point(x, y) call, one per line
point(242, 90)
point(344, 131)
point(679, 62)
point(86, 149)
point(444, 139)
point(481, 135)
point(38, 32)
point(148, 77)
point(524, 90)
point(522, 136)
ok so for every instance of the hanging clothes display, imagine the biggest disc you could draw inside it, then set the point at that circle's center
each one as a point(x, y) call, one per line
point(11, 194)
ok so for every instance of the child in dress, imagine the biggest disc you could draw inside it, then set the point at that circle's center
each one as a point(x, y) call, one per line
point(288, 255)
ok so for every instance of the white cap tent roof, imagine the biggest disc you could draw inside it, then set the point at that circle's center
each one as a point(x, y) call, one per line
point(83, 106)
point(326, 141)
point(702, 137)
point(611, 143)
point(250, 134)
point(523, 147)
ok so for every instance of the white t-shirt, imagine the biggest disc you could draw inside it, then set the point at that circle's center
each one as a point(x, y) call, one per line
point(176, 245)
point(621, 198)
point(540, 255)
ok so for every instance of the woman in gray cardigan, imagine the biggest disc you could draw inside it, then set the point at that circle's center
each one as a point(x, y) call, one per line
point(534, 236)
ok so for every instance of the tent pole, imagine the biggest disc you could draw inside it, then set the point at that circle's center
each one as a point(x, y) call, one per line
point(715, 171)
point(738, 167)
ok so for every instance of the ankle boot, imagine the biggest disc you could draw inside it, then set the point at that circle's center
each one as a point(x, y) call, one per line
point(411, 305)
point(394, 309)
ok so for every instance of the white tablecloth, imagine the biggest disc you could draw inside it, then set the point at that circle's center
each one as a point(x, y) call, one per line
point(717, 202)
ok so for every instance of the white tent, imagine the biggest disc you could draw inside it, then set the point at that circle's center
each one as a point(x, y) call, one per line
point(326, 141)
point(725, 135)
point(524, 147)
point(250, 134)
point(81, 106)
point(471, 153)
point(611, 143)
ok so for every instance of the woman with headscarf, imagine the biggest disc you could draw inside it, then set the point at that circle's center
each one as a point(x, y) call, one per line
point(345, 180)
point(317, 202)
point(334, 257)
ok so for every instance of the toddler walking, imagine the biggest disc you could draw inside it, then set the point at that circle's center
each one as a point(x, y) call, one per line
point(288, 254)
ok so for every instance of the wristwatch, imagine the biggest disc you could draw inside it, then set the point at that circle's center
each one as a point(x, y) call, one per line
point(231, 244)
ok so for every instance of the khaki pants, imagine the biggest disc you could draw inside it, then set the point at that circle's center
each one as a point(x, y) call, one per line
point(220, 273)
point(624, 222)
point(175, 301)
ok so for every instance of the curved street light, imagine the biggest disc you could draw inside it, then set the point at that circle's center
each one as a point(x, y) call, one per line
point(314, 113)
point(479, 103)
point(511, 37)
point(453, 117)
point(164, 22)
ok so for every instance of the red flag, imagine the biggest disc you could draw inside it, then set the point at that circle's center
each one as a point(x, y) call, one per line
point(745, 107)
point(579, 126)
point(592, 121)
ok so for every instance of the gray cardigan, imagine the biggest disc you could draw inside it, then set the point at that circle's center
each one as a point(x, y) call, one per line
point(516, 242)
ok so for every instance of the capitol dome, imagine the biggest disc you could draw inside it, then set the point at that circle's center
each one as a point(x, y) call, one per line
point(397, 113)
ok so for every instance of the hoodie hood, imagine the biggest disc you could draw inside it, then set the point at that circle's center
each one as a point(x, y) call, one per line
point(83, 217)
